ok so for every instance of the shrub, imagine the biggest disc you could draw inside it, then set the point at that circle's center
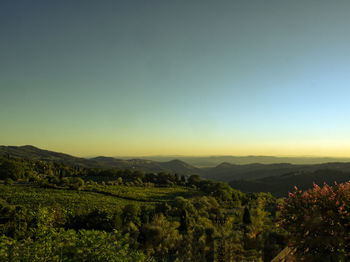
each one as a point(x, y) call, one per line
point(76, 183)
point(318, 221)
point(84, 245)
point(11, 169)
point(8, 181)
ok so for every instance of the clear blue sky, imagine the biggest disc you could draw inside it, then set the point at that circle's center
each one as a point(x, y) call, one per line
point(176, 77)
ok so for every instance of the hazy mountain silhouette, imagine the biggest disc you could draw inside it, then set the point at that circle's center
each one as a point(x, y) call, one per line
point(279, 186)
point(34, 153)
point(212, 161)
point(225, 171)
point(228, 172)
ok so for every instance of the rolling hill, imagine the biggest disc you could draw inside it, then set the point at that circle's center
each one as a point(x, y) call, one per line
point(227, 172)
point(276, 178)
point(34, 153)
point(279, 186)
point(212, 161)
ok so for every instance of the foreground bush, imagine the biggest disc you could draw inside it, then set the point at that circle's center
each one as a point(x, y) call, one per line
point(70, 245)
point(318, 221)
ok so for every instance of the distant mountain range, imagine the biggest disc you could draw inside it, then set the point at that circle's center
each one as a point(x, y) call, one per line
point(228, 172)
point(211, 161)
point(34, 153)
point(278, 178)
point(279, 186)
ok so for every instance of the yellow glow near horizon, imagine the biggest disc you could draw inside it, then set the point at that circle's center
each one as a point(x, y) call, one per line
point(151, 148)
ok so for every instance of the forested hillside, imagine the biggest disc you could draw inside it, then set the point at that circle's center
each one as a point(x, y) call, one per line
point(225, 171)
point(51, 211)
point(34, 153)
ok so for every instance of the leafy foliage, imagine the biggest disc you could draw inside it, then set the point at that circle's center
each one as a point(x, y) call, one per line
point(318, 221)
point(71, 245)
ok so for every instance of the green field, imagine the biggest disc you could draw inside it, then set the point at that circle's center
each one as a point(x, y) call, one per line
point(145, 194)
point(109, 198)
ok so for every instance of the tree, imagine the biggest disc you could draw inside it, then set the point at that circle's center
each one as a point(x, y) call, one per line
point(246, 217)
point(8, 182)
point(13, 220)
point(161, 237)
point(96, 219)
point(130, 214)
point(76, 183)
point(194, 180)
point(11, 169)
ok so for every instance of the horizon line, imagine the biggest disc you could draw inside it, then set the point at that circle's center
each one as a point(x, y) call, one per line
point(183, 155)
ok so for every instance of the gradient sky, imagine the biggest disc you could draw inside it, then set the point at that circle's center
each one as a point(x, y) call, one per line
point(176, 77)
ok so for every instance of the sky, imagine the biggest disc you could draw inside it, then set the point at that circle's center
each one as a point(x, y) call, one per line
point(180, 77)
